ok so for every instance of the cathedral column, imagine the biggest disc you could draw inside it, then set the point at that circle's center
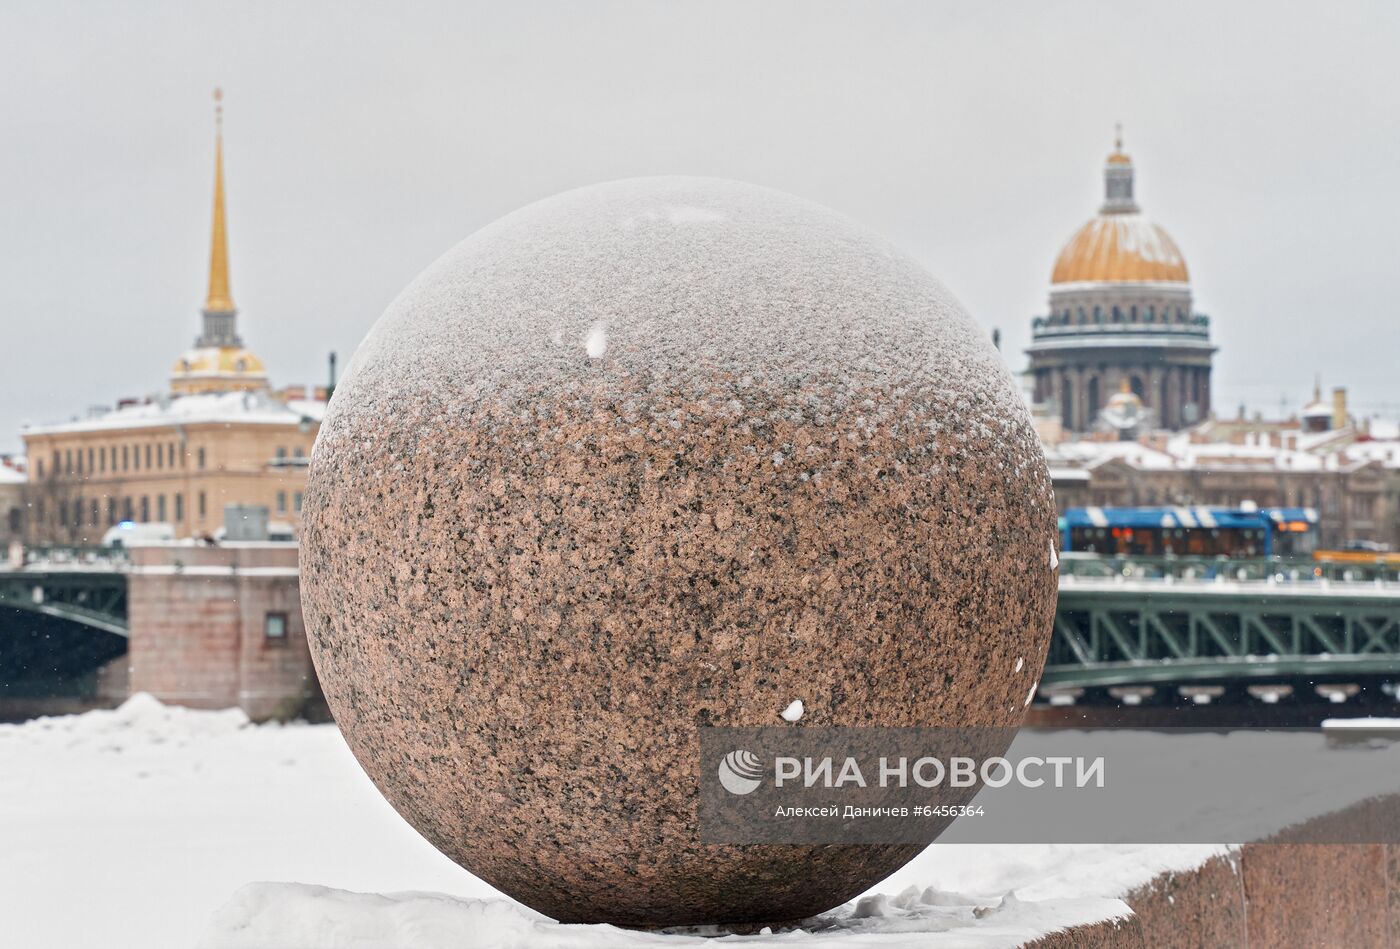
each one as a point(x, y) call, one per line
point(1184, 381)
point(1082, 421)
point(1067, 396)
point(1171, 411)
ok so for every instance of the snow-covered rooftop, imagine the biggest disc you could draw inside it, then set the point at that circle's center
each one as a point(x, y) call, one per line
point(1326, 451)
point(257, 408)
point(1385, 429)
point(1386, 452)
point(1088, 454)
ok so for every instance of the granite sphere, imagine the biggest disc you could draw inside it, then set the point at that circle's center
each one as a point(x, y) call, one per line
point(650, 456)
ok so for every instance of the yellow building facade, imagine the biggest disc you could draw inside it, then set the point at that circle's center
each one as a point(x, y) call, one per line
point(219, 437)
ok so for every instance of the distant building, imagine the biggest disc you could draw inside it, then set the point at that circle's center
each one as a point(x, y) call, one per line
point(12, 491)
point(1350, 474)
point(219, 437)
point(1121, 319)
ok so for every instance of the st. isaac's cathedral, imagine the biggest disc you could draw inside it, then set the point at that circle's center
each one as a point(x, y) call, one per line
point(1120, 320)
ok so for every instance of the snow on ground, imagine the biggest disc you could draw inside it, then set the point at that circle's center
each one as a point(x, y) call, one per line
point(1362, 723)
point(290, 914)
point(152, 826)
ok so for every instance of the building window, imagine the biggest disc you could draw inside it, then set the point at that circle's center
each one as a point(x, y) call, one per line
point(91, 455)
point(275, 627)
point(102, 458)
point(62, 513)
point(298, 452)
point(170, 454)
point(111, 511)
point(57, 462)
point(160, 456)
point(127, 512)
point(199, 461)
point(145, 509)
point(80, 461)
point(203, 508)
point(179, 507)
point(281, 502)
point(296, 501)
point(148, 457)
point(126, 459)
point(281, 453)
point(135, 457)
point(160, 508)
point(14, 522)
point(95, 515)
point(39, 465)
point(68, 461)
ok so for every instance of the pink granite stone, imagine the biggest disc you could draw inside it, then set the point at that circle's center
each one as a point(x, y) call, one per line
point(646, 457)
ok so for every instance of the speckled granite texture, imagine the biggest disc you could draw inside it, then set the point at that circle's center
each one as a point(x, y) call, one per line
point(650, 456)
point(1279, 892)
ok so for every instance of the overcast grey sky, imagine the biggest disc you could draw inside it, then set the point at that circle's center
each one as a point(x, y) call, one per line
point(363, 140)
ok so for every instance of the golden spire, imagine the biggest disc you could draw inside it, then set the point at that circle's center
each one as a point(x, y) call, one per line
point(220, 298)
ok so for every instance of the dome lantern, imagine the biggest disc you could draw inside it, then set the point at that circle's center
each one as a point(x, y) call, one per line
point(1118, 180)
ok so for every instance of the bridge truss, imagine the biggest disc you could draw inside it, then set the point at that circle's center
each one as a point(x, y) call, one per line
point(91, 598)
point(1115, 633)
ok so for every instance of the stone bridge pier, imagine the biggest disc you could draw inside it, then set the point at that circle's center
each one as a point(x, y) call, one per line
point(217, 627)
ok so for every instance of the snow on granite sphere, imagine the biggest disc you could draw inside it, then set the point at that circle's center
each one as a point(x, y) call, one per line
point(646, 457)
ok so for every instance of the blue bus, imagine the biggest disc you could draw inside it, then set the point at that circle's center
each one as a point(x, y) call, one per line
point(1234, 532)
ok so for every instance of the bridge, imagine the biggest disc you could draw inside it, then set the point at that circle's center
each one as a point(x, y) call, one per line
point(1267, 629)
point(1128, 630)
point(83, 585)
point(63, 617)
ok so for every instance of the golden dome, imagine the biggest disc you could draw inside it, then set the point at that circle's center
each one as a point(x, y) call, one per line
point(217, 369)
point(1120, 248)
